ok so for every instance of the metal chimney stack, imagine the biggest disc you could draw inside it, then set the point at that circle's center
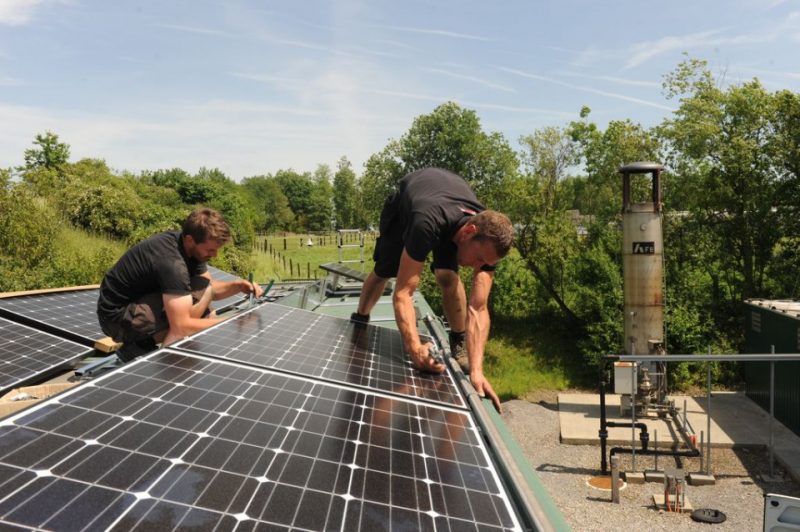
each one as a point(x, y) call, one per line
point(642, 256)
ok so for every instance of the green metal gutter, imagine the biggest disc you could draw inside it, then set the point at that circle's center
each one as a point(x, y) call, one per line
point(531, 497)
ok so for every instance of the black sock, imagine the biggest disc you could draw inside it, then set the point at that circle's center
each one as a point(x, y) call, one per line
point(456, 338)
point(359, 318)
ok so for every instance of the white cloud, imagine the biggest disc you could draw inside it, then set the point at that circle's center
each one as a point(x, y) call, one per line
point(642, 52)
point(474, 79)
point(585, 89)
point(17, 12)
point(9, 82)
point(194, 29)
point(397, 44)
point(438, 33)
point(613, 79)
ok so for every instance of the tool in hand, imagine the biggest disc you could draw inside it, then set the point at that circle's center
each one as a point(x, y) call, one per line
point(436, 354)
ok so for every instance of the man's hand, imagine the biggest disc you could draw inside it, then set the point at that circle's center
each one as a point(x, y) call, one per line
point(484, 389)
point(423, 360)
point(246, 287)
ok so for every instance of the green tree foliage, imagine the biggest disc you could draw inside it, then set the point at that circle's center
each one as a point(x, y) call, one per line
point(113, 211)
point(49, 153)
point(547, 238)
point(733, 170)
point(320, 213)
point(345, 197)
point(270, 203)
point(603, 152)
point(297, 188)
point(212, 188)
point(28, 231)
point(381, 173)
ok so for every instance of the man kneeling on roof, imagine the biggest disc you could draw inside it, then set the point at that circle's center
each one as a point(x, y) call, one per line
point(435, 211)
point(160, 290)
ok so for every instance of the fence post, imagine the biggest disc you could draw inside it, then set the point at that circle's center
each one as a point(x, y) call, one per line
point(284, 243)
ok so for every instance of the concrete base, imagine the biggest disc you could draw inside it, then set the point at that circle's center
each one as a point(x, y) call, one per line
point(658, 500)
point(699, 479)
point(654, 476)
point(634, 477)
point(736, 421)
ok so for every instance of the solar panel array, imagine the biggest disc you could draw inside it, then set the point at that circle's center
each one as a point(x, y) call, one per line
point(325, 347)
point(26, 353)
point(180, 440)
point(73, 312)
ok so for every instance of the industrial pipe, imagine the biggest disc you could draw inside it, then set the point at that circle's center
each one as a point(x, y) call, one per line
point(655, 452)
point(644, 436)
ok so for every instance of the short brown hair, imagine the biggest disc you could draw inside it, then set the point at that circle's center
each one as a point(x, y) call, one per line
point(495, 227)
point(204, 224)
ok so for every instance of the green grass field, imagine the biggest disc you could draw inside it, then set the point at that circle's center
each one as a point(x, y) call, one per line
point(521, 357)
point(275, 262)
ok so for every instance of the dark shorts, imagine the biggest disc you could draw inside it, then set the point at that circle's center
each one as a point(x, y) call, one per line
point(390, 244)
point(146, 316)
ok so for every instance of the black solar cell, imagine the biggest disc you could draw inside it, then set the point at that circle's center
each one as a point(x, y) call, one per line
point(26, 353)
point(179, 440)
point(334, 349)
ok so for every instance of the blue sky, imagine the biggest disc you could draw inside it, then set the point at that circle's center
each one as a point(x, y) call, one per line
point(252, 87)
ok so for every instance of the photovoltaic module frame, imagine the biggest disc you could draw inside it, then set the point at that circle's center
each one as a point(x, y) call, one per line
point(323, 347)
point(179, 440)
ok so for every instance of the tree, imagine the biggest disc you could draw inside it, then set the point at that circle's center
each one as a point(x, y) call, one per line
point(603, 152)
point(723, 147)
point(49, 153)
point(547, 238)
point(345, 196)
point(297, 189)
point(270, 202)
point(320, 213)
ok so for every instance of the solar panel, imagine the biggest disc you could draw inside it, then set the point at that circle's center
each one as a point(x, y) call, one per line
point(345, 271)
point(179, 440)
point(26, 353)
point(72, 314)
point(325, 347)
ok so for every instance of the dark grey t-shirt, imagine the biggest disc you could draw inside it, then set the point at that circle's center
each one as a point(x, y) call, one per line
point(156, 265)
point(433, 205)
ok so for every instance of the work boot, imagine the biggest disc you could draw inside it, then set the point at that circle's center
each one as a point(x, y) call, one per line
point(459, 352)
point(361, 320)
point(135, 349)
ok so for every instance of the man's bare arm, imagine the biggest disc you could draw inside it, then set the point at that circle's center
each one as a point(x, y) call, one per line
point(407, 281)
point(478, 324)
point(181, 323)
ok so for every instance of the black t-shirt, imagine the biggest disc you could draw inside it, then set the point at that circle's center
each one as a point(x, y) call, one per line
point(433, 205)
point(158, 264)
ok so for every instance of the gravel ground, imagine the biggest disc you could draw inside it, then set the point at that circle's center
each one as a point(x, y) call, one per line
point(565, 470)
